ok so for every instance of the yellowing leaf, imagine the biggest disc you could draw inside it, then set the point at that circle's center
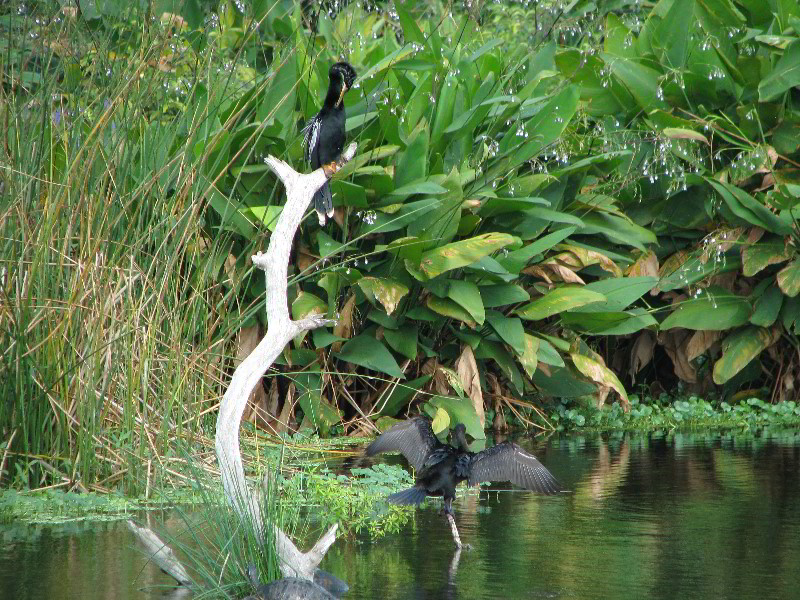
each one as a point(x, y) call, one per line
point(387, 291)
point(530, 358)
point(789, 279)
point(559, 300)
point(599, 373)
point(739, 349)
point(460, 254)
point(441, 421)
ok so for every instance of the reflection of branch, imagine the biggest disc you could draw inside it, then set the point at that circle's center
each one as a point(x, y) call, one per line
point(606, 475)
point(451, 574)
point(300, 188)
point(160, 553)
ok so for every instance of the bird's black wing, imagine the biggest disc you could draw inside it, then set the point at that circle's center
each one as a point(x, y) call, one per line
point(414, 438)
point(311, 136)
point(509, 462)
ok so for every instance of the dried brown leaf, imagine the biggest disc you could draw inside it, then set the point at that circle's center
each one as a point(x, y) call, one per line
point(645, 265)
point(700, 342)
point(467, 370)
point(674, 342)
point(641, 353)
point(344, 324)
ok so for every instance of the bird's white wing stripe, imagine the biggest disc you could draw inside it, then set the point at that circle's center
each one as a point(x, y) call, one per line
point(312, 134)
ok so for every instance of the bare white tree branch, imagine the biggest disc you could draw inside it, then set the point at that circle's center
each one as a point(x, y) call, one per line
point(281, 329)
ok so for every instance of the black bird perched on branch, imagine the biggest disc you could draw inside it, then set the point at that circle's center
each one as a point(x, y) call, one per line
point(324, 134)
point(441, 467)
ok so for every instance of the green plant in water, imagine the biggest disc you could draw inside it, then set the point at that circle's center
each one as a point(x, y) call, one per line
point(357, 502)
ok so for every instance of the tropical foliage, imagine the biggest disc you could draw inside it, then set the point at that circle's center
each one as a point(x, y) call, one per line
point(603, 199)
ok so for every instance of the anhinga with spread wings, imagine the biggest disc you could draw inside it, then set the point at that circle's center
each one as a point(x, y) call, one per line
point(324, 134)
point(441, 467)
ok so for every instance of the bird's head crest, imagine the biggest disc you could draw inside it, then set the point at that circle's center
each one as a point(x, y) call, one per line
point(345, 71)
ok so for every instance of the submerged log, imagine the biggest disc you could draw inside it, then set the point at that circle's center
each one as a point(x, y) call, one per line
point(160, 553)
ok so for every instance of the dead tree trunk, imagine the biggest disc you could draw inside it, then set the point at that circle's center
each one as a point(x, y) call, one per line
point(281, 329)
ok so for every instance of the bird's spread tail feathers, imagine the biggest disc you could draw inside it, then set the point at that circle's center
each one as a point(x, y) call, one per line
point(323, 203)
point(414, 495)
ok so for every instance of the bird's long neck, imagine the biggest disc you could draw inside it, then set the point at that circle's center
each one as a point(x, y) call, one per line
point(461, 441)
point(334, 95)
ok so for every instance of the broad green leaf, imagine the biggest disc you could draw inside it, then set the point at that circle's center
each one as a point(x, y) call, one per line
point(503, 359)
point(419, 187)
point(386, 62)
point(267, 215)
point(461, 411)
point(789, 278)
point(559, 300)
point(694, 270)
point(641, 81)
point(399, 396)
point(516, 260)
point(790, 314)
point(450, 309)
point(620, 292)
point(784, 76)
point(324, 338)
point(528, 359)
point(309, 396)
point(411, 31)
point(739, 349)
point(441, 224)
point(503, 294)
point(327, 245)
point(509, 329)
point(547, 126)
point(365, 351)
point(548, 354)
point(468, 297)
point(715, 309)
point(459, 254)
point(308, 304)
point(673, 32)
point(744, 206)
point(346, 193)
point(598, 373)
point(609, 323)
point(618, 229)
point(386, 291)
point(403, 340)
point(412, 163)
point(767, 306)
point(562, 383)
point(500, 206)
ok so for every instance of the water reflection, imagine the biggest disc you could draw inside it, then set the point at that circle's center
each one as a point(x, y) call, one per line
point(659, 515)
point(662, 515)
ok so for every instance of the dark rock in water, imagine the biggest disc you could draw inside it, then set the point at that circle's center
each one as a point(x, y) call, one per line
point(293, 588)
point(330, 582)
point(324, 587)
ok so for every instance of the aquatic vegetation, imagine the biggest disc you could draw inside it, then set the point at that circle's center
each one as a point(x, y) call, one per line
point(356, 501)
point(691, 412)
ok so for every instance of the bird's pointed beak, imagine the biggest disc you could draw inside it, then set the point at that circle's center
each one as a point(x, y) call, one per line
point(341, 94)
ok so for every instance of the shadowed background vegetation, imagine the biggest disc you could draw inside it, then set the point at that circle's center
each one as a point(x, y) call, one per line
point(548, 201)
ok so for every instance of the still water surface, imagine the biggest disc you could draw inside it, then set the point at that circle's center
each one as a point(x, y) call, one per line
point(681, 515)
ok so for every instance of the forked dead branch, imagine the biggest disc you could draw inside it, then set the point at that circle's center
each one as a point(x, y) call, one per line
point(281, 329)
